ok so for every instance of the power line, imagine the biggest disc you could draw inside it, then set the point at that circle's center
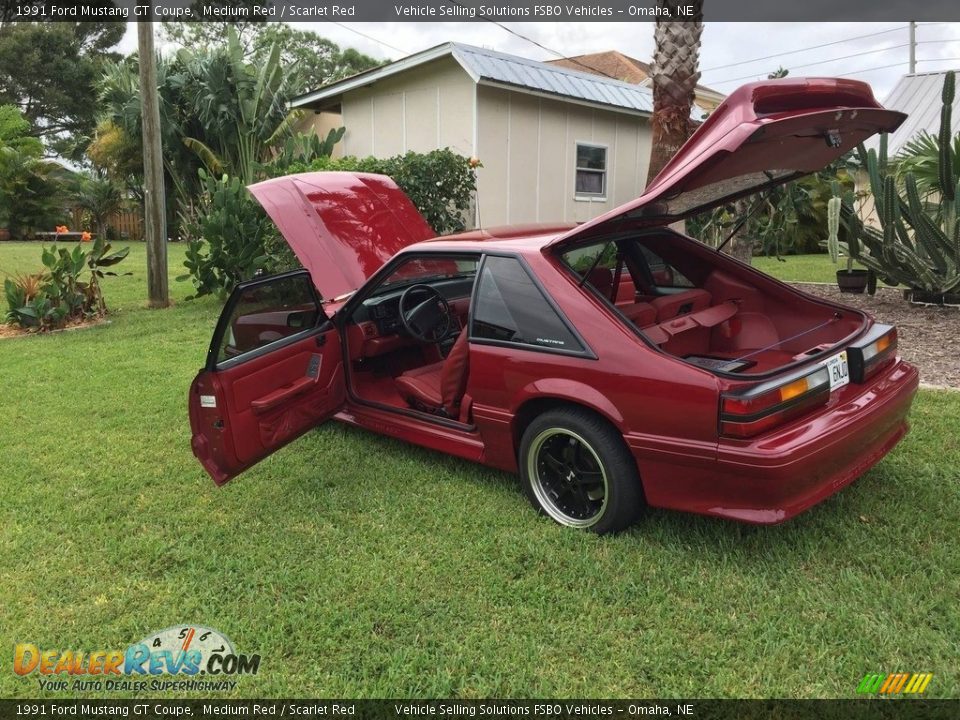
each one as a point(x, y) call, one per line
point(820, 62)
point(370, 37)
point(800, 50)
point(879, 67)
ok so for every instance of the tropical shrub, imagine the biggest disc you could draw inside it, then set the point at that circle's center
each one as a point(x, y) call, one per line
point(58, 295)
point(440, 183)
point(918, 243)
point(226, 235)
point(99, 198)
point(230, 236)
point(786, 220)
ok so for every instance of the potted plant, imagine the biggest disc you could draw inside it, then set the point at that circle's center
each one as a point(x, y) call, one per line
point(850, 280)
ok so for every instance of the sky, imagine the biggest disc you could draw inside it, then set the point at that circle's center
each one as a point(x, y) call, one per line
point(731, 53)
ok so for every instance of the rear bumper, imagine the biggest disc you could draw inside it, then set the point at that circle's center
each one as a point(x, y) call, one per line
point(770, 479)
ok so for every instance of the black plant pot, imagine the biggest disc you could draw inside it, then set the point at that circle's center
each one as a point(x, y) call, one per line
point(852, 281)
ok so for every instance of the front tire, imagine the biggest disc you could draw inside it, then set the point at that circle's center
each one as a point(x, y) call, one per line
point(577, 470)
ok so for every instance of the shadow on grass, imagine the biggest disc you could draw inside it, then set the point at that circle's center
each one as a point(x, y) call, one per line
point(819, 531)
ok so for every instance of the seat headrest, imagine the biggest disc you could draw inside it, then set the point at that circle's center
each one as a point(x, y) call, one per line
point(670, 306)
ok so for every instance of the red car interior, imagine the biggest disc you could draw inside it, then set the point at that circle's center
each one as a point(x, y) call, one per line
point(439, 386)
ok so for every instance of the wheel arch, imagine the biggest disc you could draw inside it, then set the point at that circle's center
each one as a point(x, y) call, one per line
point(545, 395)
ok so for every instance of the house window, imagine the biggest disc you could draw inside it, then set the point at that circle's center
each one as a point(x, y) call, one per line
point(591, 170)
point(511, 309)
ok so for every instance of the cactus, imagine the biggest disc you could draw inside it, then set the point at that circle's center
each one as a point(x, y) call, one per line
point(946, 149)
point(918, 243)
point(833, 228)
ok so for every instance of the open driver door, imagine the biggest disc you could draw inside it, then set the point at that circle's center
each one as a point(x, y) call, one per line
point(274, 370)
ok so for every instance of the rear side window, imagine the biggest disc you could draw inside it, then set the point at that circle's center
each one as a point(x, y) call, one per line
point(663, 273)
point(511, 308)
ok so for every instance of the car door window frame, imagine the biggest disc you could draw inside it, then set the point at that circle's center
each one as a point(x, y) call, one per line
point(585, 352)
point(322, 324)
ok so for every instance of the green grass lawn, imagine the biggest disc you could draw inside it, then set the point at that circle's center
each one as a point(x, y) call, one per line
point(801, 268)
point(358, 566)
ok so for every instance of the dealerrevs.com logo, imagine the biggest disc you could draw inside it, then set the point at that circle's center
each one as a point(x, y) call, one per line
point(183, 657)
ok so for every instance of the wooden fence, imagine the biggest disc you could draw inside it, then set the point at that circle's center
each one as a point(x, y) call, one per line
point(128, 224)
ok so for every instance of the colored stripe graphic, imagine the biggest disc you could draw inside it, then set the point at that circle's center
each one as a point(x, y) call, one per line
point(871, 683)
point(894, 683)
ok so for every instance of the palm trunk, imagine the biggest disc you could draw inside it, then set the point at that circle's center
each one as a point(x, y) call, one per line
point(675, 74)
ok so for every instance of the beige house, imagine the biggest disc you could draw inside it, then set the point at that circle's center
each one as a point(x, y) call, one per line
point(556, 144)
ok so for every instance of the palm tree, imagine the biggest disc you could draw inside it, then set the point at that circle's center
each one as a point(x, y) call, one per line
point(101, 198)
point(922, 156)
point(675, 74)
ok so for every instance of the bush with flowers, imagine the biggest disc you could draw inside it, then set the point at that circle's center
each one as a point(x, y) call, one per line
point(59, 294)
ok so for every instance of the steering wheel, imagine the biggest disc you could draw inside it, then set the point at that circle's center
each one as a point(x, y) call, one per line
point(425, 313)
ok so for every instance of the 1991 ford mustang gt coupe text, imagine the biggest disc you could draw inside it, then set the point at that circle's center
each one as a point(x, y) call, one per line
point(613, 364)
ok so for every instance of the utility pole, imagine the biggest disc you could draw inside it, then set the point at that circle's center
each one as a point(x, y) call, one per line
point(154, 210)
point(913, 47)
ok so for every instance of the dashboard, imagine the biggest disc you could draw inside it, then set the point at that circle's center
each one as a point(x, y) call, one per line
point(384, 309)
point(375, 327)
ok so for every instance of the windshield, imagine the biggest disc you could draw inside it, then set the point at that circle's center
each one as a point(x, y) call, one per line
point(426, 270)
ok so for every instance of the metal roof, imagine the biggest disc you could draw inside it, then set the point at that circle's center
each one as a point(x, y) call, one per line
point(919, 96)
point(551, 79)
point(500, 69)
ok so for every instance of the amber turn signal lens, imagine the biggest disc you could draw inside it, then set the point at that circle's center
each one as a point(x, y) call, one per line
point(794, 389)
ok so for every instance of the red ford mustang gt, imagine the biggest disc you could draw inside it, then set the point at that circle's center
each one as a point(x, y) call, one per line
point(613, 364)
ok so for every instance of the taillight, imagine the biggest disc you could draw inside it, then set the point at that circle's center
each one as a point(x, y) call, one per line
point(750, 412)
point(872, 353)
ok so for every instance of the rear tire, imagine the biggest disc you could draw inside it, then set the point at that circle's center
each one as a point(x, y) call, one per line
point(577, 470)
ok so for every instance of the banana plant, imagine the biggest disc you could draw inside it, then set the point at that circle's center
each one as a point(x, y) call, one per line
point(243, 105)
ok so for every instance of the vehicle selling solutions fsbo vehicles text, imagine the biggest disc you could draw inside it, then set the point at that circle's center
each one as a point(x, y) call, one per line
point(551, 11)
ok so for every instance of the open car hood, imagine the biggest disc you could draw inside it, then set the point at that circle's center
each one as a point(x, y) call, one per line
point(342, 226)
point(764, 134)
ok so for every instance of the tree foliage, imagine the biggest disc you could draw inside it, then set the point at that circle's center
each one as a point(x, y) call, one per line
point(786, 220)
point(50, 70)
point(240, 106)
point(99, 198)
point(309, 60)
point(227, 230)
point(31, 188)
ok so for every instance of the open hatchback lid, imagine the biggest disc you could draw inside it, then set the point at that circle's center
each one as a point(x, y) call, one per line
point(764, 134)
point(342, 226)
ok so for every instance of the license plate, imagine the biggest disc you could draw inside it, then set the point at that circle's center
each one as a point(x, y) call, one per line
point(838, 369)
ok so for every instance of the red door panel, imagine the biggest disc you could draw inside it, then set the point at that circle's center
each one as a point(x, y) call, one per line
point(243, 407)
